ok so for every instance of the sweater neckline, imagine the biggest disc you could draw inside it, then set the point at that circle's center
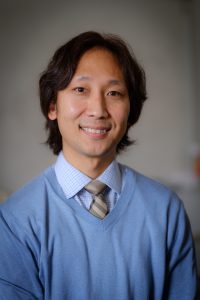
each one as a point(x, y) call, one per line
point(117, 211)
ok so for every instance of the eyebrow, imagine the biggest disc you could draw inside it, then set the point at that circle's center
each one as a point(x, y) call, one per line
point(79, 78)
point(111, 81)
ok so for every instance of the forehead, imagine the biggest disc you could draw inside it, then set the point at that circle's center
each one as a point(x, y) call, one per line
point(99, 59)
point(97, 51)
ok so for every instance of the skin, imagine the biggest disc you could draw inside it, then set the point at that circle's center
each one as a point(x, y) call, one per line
point(92, 112)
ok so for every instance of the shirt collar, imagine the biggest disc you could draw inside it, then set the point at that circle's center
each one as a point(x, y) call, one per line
point(72, 180)
point(112, 177)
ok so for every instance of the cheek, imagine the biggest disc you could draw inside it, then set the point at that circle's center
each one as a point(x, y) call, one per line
point(121, 114)
point(74, 110)
point(71, 109)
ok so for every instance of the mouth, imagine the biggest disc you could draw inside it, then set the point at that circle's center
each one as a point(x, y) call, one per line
point(95, 132)
point(92, 130)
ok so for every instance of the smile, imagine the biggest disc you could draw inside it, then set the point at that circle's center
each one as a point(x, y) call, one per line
point(95, 131)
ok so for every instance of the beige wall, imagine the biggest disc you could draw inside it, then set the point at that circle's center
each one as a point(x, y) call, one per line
point(197, 56)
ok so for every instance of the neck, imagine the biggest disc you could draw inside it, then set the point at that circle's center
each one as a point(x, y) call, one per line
point(90, 166)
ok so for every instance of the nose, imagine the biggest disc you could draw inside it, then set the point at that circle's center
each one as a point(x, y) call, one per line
point(97, 106)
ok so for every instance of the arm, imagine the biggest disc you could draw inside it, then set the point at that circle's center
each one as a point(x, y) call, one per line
point(19, 278)
point(182, 274)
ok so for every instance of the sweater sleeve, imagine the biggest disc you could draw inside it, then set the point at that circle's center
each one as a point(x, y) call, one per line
point(18, 267)
point(182, 274)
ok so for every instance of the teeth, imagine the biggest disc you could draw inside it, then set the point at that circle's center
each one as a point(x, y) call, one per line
point(98, 131)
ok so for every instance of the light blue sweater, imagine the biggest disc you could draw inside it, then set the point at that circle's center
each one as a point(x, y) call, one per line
point(52, 248)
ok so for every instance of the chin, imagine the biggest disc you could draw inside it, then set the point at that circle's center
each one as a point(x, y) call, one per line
point(101, 153)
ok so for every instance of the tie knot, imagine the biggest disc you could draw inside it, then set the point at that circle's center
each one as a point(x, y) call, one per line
point(95, 187)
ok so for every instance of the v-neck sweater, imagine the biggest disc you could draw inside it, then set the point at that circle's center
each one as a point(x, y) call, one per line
point(55, 249)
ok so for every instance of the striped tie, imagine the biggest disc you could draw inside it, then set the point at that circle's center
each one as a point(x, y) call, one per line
point(98, 207)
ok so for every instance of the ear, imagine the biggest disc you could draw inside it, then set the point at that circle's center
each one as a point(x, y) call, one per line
point(52, 114)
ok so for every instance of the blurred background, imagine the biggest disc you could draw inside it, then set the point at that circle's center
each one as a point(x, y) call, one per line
point(165, 36)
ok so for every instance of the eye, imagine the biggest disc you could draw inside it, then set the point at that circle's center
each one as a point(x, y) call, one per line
point(114, 93)
point(79, 90)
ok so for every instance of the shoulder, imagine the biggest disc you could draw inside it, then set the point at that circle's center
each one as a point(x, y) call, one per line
point(157, 204)
point(31, 196)
point(150, 191)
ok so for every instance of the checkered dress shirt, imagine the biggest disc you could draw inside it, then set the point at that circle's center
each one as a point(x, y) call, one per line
point(72, 182)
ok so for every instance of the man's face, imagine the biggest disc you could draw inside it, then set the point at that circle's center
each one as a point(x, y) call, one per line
point(92, 111)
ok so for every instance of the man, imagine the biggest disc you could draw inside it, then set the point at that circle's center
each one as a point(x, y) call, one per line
point(89, 227)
